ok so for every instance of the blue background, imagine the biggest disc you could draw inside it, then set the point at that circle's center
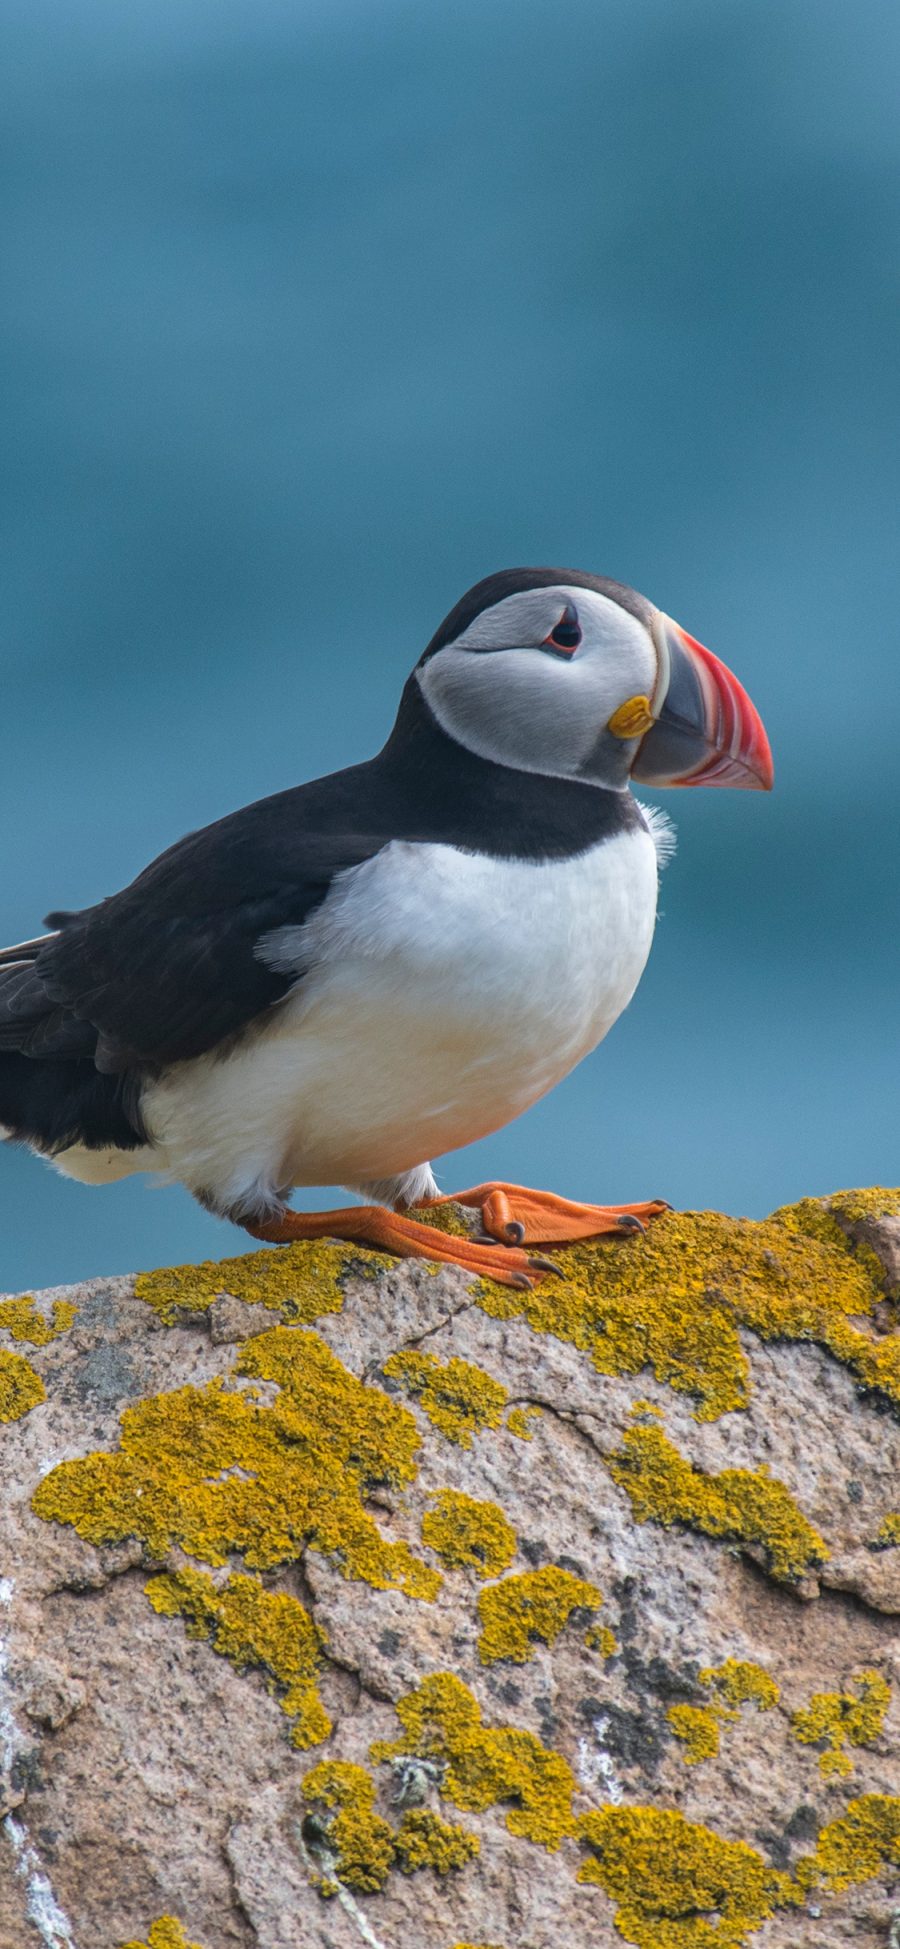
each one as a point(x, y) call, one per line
point(313, 314)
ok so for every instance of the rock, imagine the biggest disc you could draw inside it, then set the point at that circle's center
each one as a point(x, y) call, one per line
point(350, 1603)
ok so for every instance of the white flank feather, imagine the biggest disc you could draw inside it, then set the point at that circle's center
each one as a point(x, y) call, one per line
point(662, 833)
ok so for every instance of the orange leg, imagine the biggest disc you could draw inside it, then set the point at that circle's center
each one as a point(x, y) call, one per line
point(516, 1215)
point(388, 1231)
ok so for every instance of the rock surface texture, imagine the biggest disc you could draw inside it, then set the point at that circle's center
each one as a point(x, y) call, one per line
point(345, 1603)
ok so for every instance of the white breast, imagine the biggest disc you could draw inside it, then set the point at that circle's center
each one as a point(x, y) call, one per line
point(440, 994)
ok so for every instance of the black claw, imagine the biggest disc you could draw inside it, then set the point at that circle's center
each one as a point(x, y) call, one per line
point(524, 1284)
point(546, 1265)
point(628, 1223)
point(514, 1235)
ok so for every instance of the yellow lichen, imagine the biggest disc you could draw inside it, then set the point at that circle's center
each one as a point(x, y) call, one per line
point(518, 1422)
point(531, 1608)
point(738, 1681)
point(217, 1473)
point(698, 1727)
point(843, 1719)
point(165, 1933)
point(299, 1282)
point(362, 1843)
point(365, 1847)
point(455, 1220)
point(853, 1848)
point(744, 1505)
point(601, 1638)
point(873, 1201)
point(484, 1767)
point(678, 1885)
point(20, 1387)
point(423, 1840)
point(21, 1318)
point(463, 1531)
point(460, 1400)
point(888, 1536)
point(674, 1300)
point(253, 1626)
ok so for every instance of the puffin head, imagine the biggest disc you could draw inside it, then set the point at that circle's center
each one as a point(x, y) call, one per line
point(575, 676)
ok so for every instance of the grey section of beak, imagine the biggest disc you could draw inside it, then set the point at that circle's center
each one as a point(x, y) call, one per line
point(679, 740)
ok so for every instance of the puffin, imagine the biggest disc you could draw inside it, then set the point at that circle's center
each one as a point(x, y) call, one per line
point(343, 982)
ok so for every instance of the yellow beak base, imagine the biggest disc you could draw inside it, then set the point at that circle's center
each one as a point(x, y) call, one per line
point(632, 719)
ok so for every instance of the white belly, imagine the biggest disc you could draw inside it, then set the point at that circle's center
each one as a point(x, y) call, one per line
point(443, 994)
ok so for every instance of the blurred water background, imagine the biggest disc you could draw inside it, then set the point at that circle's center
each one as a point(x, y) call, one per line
point(313, 314)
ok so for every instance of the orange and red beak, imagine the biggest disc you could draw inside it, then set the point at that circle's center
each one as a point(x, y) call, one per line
point(707, 731)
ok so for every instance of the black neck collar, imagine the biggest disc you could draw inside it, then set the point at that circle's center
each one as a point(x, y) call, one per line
point(451, 795)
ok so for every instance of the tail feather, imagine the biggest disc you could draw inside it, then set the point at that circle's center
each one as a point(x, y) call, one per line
point(51, 1092)
point(52, 1104)
point(10, 957)
point(32, 1023)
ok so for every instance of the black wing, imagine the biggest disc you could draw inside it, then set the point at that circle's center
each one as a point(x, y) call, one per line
point(167, 968)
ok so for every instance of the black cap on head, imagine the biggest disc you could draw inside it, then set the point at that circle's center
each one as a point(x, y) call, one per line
point(511, 581)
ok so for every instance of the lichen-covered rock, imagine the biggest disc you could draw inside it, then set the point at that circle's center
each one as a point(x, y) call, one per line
point(347, 1603)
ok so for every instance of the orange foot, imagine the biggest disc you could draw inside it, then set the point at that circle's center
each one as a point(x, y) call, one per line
point(388, 1231)
point(514, 1215)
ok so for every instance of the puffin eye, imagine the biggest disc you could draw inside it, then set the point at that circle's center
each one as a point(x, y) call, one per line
point(567, 633)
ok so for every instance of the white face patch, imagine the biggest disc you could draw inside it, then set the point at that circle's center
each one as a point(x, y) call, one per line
point(499, 693)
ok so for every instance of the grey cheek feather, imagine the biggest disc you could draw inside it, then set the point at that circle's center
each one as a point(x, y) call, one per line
point(509, 706)
point(526, 708)
point(609, 761)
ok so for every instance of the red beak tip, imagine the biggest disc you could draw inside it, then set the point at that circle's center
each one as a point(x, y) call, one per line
point(743, 755)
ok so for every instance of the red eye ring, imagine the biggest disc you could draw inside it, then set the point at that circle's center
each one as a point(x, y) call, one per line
point(566, 634)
